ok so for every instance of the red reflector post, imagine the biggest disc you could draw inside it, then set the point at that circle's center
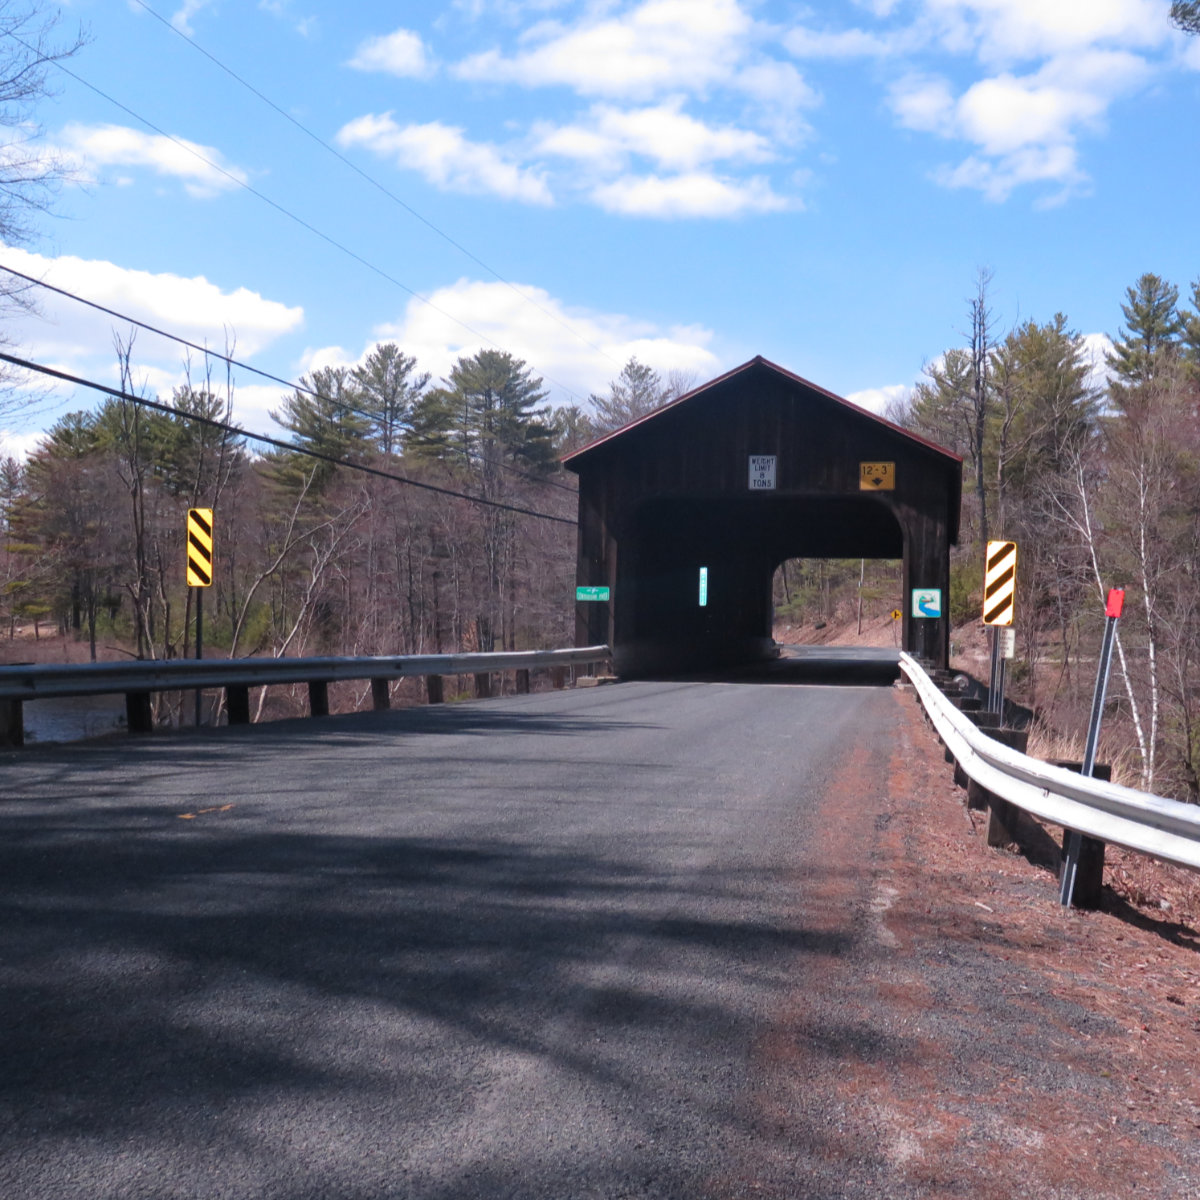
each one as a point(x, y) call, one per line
point(1116, 597)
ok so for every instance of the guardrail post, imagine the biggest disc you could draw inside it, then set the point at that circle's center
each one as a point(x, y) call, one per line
point(483, 685)
point(978, 797)
point(318, 698)
point(435, 689)
point(12, 723)
point(1002, 822)
point(558, 677)
point(523, 681)
point(381, 695)
point(139, 716)
point(237, 704)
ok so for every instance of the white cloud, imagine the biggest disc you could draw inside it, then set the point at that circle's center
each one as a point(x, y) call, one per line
point(1025, 128)
point(848, 43)
point(657, 47)
point(671, 138)
point(1005, 31)
point(1096, 349)
point(446, 158)
point(878, 400)
point(182, 19)
point(781, 92)
point(696, 194)
point(577, 351)
point(925, 104)
point(401, 53)
point(1033, 164)
point(203, 169)
point(19, 445)
point(77, 339)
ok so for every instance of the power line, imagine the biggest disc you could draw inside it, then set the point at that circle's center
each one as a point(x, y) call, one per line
point(408, 208)
point(279, 208)
point(278, 443)
point(233, 362)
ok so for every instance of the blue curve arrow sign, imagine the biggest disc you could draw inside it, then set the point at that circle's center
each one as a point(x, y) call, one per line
point(927, 602)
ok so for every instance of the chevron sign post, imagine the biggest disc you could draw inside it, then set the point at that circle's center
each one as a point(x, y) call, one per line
point(199, 571)
point(999, 605)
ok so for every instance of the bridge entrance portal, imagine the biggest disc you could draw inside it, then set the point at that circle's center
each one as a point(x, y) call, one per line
point(686, 514)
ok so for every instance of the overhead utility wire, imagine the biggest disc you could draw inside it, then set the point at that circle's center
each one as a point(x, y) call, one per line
point(233, 362)
point(325, 237)
point(278, 443)
point(373, 181)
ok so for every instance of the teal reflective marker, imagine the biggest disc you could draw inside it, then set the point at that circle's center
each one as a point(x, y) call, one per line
point(703, 587)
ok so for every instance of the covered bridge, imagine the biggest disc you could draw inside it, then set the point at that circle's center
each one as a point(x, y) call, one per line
point(685, 514)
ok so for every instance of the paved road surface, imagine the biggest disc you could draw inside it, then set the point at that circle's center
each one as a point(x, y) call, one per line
point(527, 947)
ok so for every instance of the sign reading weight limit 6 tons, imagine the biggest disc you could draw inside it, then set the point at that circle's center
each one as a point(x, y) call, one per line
point(200, 547)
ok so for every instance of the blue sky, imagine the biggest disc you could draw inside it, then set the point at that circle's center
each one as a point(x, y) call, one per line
point(691, 181)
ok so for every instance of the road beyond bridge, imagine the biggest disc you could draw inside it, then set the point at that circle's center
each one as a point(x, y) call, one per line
point(653, 939)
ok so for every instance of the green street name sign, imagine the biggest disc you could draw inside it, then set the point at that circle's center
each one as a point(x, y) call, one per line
point(592, 593)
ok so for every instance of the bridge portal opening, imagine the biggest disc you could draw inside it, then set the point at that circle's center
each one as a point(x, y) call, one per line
point(838, 601)
point(697, 576)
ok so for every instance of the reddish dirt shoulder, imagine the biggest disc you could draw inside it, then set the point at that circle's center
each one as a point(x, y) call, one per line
point(980, 1041)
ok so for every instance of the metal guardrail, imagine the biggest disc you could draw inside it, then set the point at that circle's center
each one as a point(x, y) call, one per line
point(138, 678)
point(1154, 825)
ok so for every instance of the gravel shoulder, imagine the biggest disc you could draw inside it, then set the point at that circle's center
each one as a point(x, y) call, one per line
point(981, 1041)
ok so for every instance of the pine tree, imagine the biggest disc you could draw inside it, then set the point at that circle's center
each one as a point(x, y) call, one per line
point(1045, 407)
point(389, 389)
point(1186, 15)
point(638, 390)
point(1191, 333)
point(324, 415)
point(1150, 340)
point(488, 412)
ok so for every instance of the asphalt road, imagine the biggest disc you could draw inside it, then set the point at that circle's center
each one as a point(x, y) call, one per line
point(514, 948)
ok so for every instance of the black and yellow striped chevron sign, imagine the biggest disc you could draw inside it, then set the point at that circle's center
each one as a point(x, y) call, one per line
point(199, 547)
point(1000, 583)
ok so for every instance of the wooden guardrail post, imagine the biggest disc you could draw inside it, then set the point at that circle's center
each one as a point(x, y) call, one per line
point(558, 677)
point(523, 681)
point(483, 685)
point(12, 723)
point(237, 704)
point(381, 694)
point(435, 689)
point(318, 698)
point(139, 716)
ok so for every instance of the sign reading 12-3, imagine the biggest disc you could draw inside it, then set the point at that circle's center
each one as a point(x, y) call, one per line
point(927, 602)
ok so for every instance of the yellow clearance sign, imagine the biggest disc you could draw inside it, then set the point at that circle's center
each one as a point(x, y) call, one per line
point(1000, 583)
point(877, 477)
point(200, 547)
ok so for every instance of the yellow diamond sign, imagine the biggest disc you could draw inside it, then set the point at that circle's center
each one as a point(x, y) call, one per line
point(877, 477)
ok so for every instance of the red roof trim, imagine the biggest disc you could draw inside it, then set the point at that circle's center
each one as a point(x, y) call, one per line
point(759, 361)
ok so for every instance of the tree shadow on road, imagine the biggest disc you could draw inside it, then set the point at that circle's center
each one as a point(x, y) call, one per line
point(214, 990)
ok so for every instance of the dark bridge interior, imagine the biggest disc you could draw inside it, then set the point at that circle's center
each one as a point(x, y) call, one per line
point(674, 521)
point(741, 541)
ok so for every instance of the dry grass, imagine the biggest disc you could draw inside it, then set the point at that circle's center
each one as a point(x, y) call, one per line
point(1050, 743)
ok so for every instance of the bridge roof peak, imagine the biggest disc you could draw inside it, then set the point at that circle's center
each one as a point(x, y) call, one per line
point(758, 364)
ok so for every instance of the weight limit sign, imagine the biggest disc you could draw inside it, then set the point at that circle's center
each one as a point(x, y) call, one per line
point(1000, 583)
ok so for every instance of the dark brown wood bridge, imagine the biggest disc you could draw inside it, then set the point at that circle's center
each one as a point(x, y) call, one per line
point(685, 514)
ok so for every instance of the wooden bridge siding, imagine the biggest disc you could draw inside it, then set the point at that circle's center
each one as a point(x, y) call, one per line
point(699, 452)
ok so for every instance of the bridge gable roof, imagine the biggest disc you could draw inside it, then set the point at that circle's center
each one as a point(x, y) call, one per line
point(632, 431)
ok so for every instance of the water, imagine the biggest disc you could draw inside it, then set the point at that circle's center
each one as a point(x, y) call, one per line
point(72, 718)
